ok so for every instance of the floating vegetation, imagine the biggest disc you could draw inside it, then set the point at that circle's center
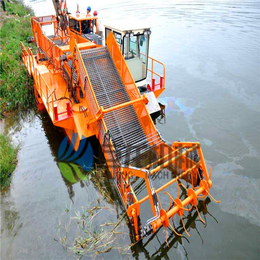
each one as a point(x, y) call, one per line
point(92, 230)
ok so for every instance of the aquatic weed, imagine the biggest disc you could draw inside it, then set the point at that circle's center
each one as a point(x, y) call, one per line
point(87, 233)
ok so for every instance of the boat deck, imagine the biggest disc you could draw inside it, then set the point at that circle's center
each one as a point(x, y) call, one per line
point(54, 91)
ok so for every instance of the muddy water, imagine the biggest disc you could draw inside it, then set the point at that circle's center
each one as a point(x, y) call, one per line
point(212, 56)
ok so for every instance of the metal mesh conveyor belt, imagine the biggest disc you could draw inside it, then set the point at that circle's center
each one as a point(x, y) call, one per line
point(130, 142)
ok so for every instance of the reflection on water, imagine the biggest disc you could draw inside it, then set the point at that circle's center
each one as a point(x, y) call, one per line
point(212, 56)
point(11, 218)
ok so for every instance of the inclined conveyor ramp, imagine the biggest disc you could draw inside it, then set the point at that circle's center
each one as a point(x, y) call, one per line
point(131, 144)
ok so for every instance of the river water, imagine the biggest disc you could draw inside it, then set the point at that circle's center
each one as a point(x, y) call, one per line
point(211, 50)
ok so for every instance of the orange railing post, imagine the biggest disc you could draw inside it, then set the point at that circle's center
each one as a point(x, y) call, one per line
point(152, 70)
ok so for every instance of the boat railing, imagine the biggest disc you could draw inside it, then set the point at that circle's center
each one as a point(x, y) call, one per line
point(47, 95)
point(45, 92)
point(85, 81)
point(25, 58)
point(49, 99)
point(47, 44)
point(155, 74)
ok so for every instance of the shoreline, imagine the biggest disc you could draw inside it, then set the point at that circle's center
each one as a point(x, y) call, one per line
point(16, 93)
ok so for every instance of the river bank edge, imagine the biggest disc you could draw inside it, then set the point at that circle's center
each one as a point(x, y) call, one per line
point(16, 92)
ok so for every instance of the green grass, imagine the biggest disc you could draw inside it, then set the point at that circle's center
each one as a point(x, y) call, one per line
point(17, 8)
point(16, 90)
point(7, 160)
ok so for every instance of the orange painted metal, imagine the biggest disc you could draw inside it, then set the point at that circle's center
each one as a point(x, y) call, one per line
point(52, 92)
point(156, 80)
point(80, 18)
